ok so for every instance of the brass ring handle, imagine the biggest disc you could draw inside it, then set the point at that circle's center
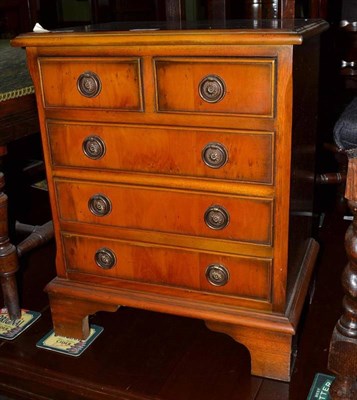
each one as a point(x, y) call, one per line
point(93, 147)
point(89, 84)
point(217, 274)
point(105, 258)
point(216, 217)
point(212, 88)
point(99, 205)
point(215, 155)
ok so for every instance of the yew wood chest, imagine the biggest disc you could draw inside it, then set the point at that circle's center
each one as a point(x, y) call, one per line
point(180, 166)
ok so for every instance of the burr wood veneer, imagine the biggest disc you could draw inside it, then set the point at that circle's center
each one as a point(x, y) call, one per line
point(171, 158)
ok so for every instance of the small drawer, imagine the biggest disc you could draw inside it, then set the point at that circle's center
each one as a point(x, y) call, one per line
point(238, 155)
point(241, 86)
point(175, 211)
point(217, 273)
point(99, 83)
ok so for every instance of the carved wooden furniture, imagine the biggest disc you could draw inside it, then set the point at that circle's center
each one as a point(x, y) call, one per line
point(18, 118)
point(343, 348)
point(347, 49)
point(179, 168)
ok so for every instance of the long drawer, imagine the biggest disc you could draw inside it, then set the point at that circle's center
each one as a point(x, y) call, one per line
point(142, 262)
point(176, 211)
point(234, 155)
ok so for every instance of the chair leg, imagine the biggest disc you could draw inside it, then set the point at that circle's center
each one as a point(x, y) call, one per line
point(8, 260)
point(343, 347)
point(37, 236)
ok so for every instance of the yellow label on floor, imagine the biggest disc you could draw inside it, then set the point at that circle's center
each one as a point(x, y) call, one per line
point(11, 329)
point(69, 346)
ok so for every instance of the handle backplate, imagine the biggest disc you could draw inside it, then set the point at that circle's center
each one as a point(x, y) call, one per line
point(215, 155)
point(105, 258)
point(99, 205)
point(89, 84)
point(93, 147)
point(217, 274)
point(212, 88)
point(216, 217)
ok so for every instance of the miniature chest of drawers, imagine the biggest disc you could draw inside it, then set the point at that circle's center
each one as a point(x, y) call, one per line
point(180, 168)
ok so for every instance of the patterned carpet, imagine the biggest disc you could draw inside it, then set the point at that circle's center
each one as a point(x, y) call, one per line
point(15, 80)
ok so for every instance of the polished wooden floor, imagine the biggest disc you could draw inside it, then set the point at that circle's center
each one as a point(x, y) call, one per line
point(143, 355)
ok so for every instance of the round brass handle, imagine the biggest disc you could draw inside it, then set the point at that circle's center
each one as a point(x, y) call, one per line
point(212, 89)
point(216, 217)
point(89, 84)
point(93, 147)
point(215, 155)
point(217, 274)
point(105, 258)
point(99, 205)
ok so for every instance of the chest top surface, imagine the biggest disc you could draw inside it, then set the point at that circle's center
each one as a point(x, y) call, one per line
point(204, 32)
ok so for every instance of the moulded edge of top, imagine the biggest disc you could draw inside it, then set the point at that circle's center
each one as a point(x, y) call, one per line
point(173, 37)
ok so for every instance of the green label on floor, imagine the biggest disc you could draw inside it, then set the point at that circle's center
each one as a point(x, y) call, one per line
point(320, 387)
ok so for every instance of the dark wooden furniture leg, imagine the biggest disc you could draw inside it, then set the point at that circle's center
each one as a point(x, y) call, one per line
point(37, 236)
point(18, 119)
point(343, 347)
point(10, 254)
point(8, 257)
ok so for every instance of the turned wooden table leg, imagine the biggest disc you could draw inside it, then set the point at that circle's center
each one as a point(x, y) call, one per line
point(343, 348)
point(8, 259)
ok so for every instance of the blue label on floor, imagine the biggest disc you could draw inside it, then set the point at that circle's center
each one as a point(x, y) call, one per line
point(320, 387)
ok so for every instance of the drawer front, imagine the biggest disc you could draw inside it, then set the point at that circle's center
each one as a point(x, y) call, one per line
point(217, 273)
point(241, 156)
point(244, 86)
point(179, 212)
point(102, 83)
